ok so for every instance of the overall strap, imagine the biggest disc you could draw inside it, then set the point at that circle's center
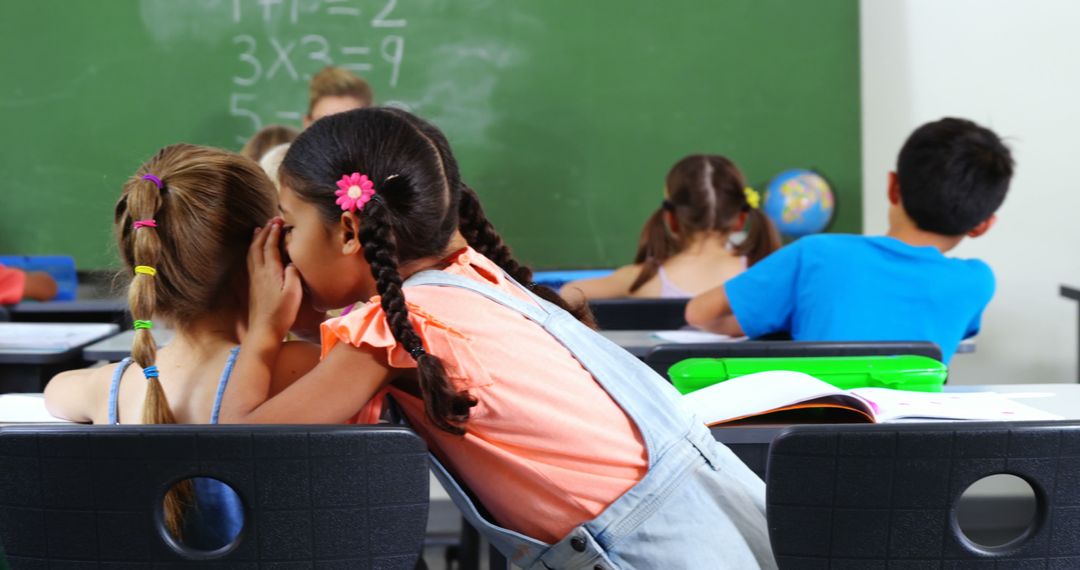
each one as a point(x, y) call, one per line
point(538, 311)
point(222, 383)
point(114, 390)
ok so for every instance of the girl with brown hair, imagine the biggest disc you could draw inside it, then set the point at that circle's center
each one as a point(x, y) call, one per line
point(685, 246)
point(183, 223)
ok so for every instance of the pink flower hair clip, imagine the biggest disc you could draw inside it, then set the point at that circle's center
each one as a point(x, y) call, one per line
point(354, 191)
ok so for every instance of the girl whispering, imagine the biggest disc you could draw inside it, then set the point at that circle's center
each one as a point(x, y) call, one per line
point(582, 456)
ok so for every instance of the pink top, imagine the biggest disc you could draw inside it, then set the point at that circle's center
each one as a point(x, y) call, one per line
point(547, 448)
point(12, 285)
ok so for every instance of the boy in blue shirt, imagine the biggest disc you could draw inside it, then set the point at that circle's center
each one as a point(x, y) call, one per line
point(951, 176)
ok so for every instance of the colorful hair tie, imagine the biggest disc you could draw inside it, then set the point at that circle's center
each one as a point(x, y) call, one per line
point(753, 198)
point(143, 224)
point(145, 270)
point(417, 352)
point(150, 372)
point(667, 206)
point(140, 324)
point(154, 179)
point(354, 191)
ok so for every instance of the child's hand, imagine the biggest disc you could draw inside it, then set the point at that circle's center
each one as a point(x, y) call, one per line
point(275, 289)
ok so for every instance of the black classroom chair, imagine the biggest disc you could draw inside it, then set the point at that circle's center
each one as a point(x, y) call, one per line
point(639, 314)
point(314, 496)
point(885, 496)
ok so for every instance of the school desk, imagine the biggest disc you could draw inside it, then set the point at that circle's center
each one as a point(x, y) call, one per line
point(118, 346)
point(110, 310)
point(751, 442)
point(641, 342)
point(31, 353)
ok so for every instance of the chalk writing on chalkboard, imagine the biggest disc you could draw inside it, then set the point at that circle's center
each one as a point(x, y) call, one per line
point(293, 49)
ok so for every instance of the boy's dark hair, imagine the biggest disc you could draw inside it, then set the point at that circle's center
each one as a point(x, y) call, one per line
point(421, 201)
point(953, 175)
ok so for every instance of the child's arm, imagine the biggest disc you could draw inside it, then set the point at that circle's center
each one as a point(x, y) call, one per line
point(295, 359)
point(40, 286)
point(330, 393)
point(609, 287)
point(73, 395)
point(711, 311)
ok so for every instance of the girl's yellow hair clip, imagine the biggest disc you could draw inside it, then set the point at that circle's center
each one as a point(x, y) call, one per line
point(753, 198)
point(145, 270)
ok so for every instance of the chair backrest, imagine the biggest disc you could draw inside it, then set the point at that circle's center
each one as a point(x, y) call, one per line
point(664, 356)
point(639, 314)
point(313, 496)
point(877, 496)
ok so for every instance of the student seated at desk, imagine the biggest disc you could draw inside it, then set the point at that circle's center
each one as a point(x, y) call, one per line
point(580, 452)
point(951, 176)
point(16, 285)
point(684, 248)
point(183, 224)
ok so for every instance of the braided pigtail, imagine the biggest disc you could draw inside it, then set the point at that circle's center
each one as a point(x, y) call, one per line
point(482, 237)
point(144, 198)
point(444, 406)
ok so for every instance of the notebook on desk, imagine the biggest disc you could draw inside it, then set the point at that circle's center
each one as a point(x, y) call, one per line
point(51, 337)
point(794, 397)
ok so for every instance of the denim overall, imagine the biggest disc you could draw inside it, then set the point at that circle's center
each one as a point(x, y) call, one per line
point(218, 514)
point(697, 507)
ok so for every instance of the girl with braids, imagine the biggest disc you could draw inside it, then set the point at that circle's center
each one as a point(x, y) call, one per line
point(684, 248)
point(183, 223)
point(582, 455)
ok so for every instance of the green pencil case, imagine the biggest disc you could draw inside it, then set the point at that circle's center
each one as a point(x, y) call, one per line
point(906, 372)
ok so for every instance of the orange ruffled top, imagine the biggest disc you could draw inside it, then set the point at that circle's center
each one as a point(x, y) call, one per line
point(546, 448)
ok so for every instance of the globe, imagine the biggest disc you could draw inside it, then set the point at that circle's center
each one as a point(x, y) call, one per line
point(800, 202)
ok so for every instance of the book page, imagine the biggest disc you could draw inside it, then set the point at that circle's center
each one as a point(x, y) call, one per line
point(764, 392)
point(897, 405)
point(25, 408)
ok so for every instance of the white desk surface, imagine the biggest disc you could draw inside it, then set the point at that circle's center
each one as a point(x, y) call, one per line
point(37, 343)
point(118, 346)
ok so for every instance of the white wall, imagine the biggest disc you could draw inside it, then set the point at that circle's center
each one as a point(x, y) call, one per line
point(1014, 66)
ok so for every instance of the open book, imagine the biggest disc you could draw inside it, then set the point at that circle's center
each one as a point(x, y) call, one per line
point(794, 397)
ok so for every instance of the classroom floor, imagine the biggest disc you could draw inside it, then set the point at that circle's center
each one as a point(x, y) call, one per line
point(442, 542)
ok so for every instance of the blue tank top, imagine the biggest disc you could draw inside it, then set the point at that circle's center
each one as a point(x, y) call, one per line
point(218, 514)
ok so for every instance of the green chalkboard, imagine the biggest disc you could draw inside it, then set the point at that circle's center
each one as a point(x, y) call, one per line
point(565, 114)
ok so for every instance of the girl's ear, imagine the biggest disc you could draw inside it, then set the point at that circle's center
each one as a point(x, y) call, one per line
point(349, 230)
